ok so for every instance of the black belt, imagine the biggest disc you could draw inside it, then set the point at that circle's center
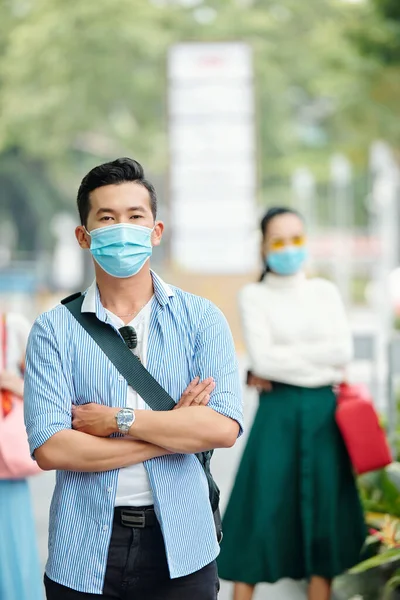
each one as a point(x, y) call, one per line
point(138, 518)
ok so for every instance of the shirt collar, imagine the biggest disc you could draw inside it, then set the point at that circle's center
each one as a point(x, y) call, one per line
point(92, 303)
point(162, 291)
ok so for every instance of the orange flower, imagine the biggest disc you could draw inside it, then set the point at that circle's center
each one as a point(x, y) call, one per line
point(389, 533)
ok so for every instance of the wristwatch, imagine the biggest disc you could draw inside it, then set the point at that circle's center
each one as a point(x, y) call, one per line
point(125, 419)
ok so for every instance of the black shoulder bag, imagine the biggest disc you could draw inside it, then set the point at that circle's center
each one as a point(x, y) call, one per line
point(140, 380)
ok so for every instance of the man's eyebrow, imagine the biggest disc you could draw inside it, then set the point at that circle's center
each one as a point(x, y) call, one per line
point(104, 210)
point(111, 210)
point(137, 208)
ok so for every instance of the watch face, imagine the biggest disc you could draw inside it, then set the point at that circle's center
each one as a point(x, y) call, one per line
point(125, 418)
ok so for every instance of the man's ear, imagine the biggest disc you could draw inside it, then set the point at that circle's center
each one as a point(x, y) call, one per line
point(156, 236)
point(83, 237)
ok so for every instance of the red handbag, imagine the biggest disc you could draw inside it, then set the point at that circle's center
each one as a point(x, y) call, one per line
point(362, 432)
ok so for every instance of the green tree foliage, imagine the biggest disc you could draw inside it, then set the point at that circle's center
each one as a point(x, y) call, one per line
point(374, 37)
point(382, 38)
point(85, 77)
point(91, 76)
point(83, 81)
point(29, 199)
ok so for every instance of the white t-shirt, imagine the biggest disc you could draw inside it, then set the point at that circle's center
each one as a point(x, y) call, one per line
point(133, 482)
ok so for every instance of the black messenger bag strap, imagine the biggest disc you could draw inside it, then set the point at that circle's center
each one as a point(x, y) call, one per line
point(139, 378)
point(122, 358)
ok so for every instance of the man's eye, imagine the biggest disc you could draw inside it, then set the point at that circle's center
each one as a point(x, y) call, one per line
point(137, 217)
point(107, 218)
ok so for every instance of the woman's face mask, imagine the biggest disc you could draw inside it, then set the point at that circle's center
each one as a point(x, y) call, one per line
point(288, 261)
point(121, 250)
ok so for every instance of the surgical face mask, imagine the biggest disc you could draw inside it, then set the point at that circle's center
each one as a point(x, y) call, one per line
point(288, 261)
point(121, 250)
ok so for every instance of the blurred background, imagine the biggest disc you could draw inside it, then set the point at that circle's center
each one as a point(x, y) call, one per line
point(232, 106)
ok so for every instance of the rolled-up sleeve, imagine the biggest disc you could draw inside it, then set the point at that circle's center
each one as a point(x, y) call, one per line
point(47, 399)
point(215, 356)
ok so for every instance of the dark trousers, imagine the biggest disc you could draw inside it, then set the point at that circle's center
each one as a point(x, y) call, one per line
point(137, 569)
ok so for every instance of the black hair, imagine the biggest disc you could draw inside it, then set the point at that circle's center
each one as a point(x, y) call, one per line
point(118, 171)
point(276, 211)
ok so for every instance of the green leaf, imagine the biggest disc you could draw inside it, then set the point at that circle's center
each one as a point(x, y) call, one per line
point(392, 584)
point(387, 557)
point(393, 473)
point(371, 540)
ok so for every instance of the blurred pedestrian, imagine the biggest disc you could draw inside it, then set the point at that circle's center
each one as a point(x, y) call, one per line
point(294, 510)
point(19, 563)
point(132, 512)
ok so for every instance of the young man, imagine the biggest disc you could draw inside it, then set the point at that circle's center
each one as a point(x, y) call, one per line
point(130, 516)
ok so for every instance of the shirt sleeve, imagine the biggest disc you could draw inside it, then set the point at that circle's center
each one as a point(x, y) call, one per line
point(215, 356)
point(268, 359)
point(336, 350)
point(47, 398)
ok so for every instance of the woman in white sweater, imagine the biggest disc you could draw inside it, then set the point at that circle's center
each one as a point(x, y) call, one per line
point(294, 509)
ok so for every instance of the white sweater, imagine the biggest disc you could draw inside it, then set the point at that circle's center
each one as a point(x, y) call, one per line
point(296, 330)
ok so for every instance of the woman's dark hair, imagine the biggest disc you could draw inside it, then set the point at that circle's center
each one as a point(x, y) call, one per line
point(276, 211)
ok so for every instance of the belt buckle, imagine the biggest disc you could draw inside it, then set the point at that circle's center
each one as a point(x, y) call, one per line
point(136, 520)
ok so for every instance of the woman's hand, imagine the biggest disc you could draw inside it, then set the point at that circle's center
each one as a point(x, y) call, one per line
point(12, 382)
point(262, 385)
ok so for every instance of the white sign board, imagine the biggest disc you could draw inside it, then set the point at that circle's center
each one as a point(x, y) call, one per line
point(212, 157)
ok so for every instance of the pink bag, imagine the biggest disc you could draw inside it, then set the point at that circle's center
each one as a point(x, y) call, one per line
point(15, 459)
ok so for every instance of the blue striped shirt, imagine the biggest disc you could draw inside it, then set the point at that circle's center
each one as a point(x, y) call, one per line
point(188, 336)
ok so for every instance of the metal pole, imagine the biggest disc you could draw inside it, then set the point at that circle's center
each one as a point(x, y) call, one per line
point(392, 408)
point(385, 186)
point(343, 222)
point(303, 189)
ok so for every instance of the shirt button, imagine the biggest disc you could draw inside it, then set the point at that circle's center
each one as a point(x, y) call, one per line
point(105, 527)
point(109, 490)
point(121, 377)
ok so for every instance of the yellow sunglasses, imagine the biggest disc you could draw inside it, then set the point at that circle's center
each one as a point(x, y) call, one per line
point(280, 243)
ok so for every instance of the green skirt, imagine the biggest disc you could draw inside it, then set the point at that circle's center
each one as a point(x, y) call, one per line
point(294, 510)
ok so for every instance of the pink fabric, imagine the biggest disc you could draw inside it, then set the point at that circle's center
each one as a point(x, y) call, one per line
point(15, 459)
